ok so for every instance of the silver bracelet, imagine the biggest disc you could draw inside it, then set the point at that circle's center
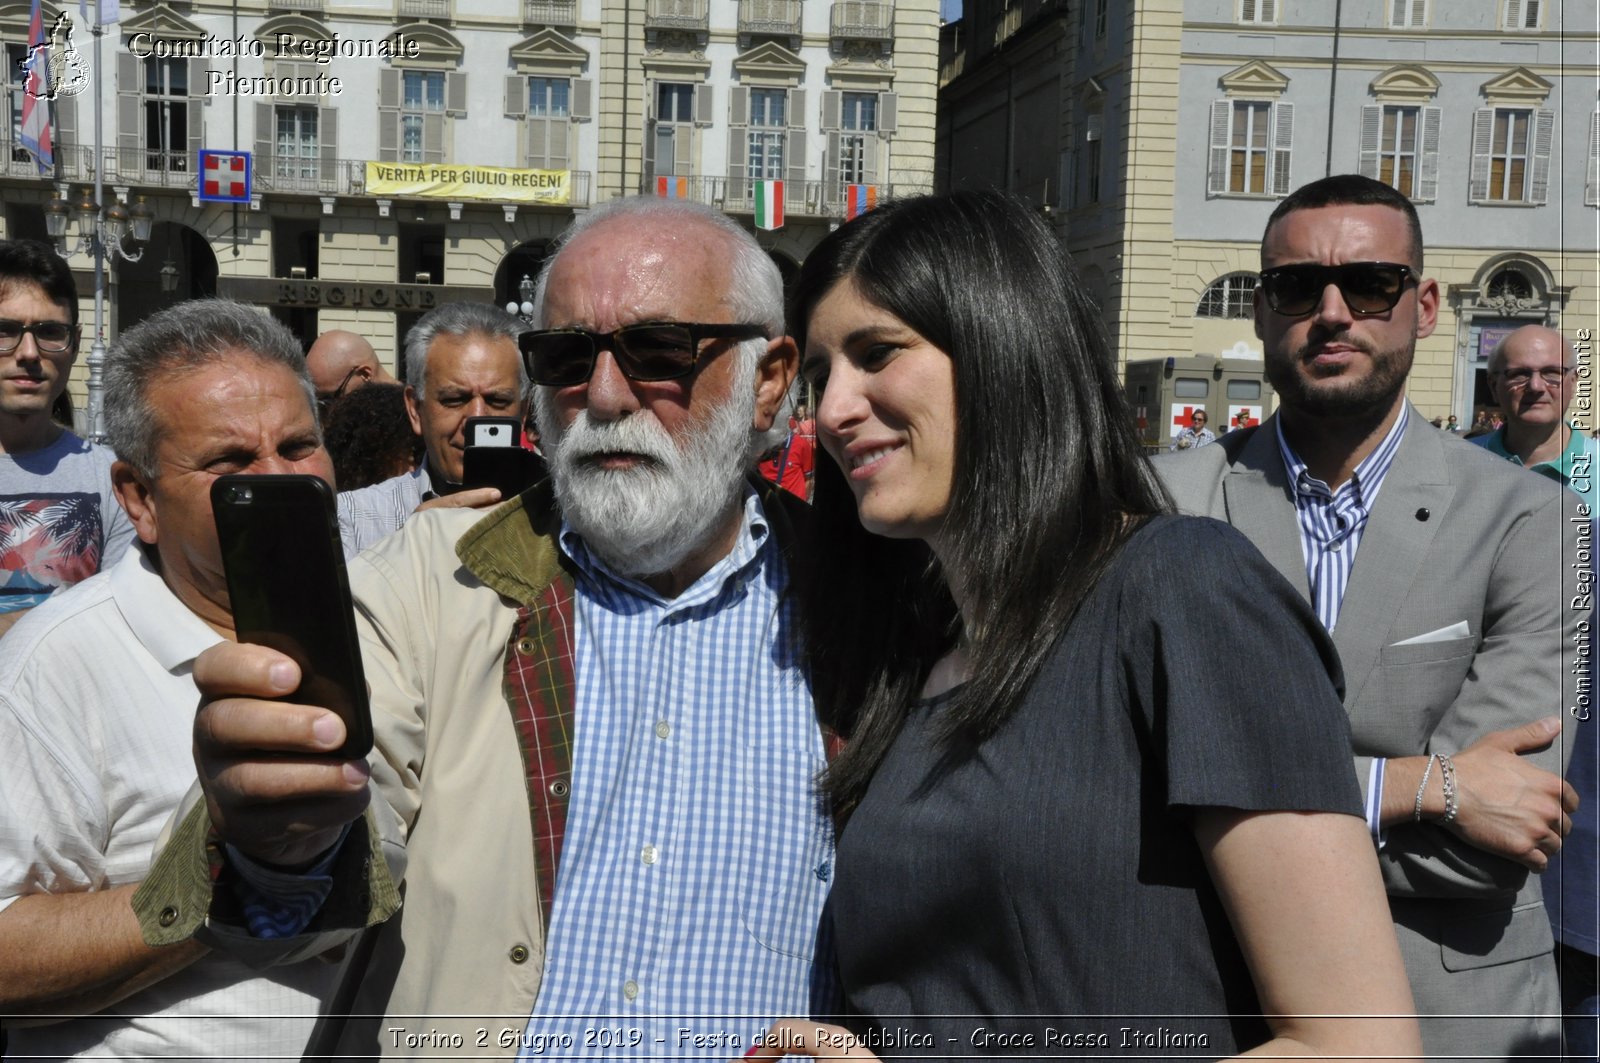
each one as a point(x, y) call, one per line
point(1447, 774)
point(1416, 810)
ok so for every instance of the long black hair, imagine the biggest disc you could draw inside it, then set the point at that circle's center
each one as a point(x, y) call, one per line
point(1049, 478)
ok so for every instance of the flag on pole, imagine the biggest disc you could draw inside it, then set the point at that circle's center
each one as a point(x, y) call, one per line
point(859, 199)
point(36, 134)
point(769, 205)
point(672, 187)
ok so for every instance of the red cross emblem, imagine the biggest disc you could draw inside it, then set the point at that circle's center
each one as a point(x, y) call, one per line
point(225, 176)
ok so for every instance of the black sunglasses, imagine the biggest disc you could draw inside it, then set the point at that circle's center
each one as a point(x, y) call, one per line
point(1368, 288)
point(652, 351)
point(51, 337)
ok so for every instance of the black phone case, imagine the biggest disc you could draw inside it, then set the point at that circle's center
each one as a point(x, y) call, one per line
point(287, 584)
point(512, 469)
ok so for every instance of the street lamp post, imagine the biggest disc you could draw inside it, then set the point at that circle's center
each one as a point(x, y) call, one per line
point(101, 233)
point(523, 307)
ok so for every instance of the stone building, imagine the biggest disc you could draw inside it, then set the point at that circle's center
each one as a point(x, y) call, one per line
point(411, 152)
point(1159, 134)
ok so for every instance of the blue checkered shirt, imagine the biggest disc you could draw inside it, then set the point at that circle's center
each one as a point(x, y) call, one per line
point(697, 853)
point(1331, 525)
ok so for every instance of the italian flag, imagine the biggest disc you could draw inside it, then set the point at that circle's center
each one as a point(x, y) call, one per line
point(769, 204)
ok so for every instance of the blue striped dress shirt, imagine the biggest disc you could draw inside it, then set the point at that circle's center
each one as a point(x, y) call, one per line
point(1331, 525)
point(697, 853)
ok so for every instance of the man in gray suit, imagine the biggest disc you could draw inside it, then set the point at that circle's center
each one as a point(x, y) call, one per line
point(1444, 579)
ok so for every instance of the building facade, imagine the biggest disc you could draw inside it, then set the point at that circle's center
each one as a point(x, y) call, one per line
point(1159, 135)
point(408, 153)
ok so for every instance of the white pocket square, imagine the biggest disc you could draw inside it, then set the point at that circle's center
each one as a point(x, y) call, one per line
point(1458, 630)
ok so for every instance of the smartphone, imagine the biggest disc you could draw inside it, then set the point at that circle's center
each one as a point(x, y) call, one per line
point(287, 585)
point(493, 432)
point(495, 457)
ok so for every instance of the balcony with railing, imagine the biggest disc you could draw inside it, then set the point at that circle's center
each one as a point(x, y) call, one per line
point(778, 17)
point(423, 8)
point(809, 199)
point(314, 6)
point(677, 15)
point(862, 20)
point(283, 175)
point(550, 12)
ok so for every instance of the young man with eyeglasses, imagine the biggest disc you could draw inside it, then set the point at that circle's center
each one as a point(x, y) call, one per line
point(1443, 577)
point(1532, 375)
point(596, 685)
point(59, 523)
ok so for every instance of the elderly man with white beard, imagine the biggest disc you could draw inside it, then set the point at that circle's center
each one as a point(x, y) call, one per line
point(592, 726)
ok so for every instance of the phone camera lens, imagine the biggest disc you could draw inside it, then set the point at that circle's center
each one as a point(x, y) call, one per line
point(240, 494)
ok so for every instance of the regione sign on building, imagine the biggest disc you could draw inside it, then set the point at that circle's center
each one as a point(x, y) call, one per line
point(496, 183)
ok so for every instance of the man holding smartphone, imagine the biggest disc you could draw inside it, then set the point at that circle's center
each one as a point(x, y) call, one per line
point(588, 705)
point(96, 711)
point(461, 362)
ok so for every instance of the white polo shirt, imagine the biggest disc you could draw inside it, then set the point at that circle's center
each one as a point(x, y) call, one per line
point(97, 706)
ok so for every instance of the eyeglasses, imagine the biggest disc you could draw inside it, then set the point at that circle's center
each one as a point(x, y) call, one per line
point(328, 399)
point(653, 351)
point(1552, 375)
point(1368, 288)
point(51, 337)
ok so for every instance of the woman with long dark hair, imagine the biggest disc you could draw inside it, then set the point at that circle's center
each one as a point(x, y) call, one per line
point(1061, 798)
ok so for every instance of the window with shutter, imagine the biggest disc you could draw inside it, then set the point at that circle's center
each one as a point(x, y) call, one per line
point(549, 125)
point(1408, 14)
point(422, 105)
point(768, 125)
point(15, 85)
point(1258, 12)
point(858, 126)
point(1509, 155)
point(673, 129)
point(1249, 148)
point(296, 154)
point(1522, 14)
point(166, 115)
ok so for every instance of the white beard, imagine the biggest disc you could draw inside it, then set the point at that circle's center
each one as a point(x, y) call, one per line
point(644, 520)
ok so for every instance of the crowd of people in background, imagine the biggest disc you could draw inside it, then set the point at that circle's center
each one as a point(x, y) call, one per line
point(756, 727)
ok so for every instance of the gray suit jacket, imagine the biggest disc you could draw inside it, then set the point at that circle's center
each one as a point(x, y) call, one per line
point(1457, 535)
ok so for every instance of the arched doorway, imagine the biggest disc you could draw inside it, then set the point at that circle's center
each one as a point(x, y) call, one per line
point(1507, 291)
point(524, 260)
point(177, 264)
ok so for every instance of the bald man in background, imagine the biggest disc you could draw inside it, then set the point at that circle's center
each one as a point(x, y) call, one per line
point(340, 362)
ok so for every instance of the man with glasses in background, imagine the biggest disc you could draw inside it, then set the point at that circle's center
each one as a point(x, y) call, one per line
point(461, 361)
point(1443, 577)
point(1532, 376)
point(341, 362)
point(596, 686)
point(59, 523)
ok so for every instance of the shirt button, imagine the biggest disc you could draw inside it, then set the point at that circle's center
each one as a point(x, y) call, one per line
point(169, 915)
point(1336, 547)
point(648, 854)
point(663, 728)
point(559, 788)
point(525, 646)
point(519, 954)
point(630, 989)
